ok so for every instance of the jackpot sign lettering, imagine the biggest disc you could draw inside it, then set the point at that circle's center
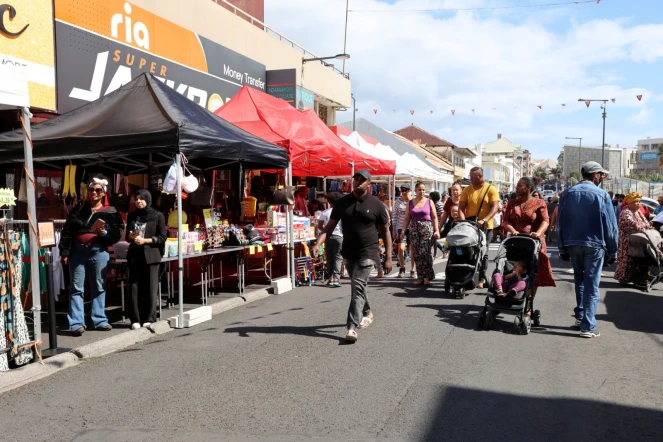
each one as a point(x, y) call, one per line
point(96, 57)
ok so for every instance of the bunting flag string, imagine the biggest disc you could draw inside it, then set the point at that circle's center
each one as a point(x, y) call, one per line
point(639, 97)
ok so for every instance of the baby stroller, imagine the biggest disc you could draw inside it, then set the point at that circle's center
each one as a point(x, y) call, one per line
point(524, 249)
point(467, 245)
point(645, 258)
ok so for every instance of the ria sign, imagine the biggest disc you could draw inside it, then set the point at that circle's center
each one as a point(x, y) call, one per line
point(12, 14)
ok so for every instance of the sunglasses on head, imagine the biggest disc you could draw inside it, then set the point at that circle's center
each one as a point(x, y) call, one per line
point(96, 190)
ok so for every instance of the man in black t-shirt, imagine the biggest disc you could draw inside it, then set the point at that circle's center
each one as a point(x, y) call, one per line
point(362, 215)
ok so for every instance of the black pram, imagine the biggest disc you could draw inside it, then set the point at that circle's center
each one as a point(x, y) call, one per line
point(524, 249)
point(644, 251)
point(467, 245)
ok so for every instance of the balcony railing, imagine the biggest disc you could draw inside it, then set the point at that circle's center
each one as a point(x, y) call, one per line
point(254, 21)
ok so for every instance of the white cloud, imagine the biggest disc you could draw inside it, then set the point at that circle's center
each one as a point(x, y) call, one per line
point(465, 61)
point(641, 118)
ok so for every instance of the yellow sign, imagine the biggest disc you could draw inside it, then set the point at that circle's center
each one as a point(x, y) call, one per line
point(269, 247)
point(7, 197)
point(252, 250)
point(26, 40)
point(259, 249)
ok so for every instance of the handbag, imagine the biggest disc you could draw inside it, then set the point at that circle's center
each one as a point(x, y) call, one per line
point(475, 218)
point(284, 195)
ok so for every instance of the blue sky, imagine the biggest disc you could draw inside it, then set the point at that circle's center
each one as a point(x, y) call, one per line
point(510, 60)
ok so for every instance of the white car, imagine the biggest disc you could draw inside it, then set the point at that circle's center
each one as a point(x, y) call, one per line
point(547, 194)
point(651, 204)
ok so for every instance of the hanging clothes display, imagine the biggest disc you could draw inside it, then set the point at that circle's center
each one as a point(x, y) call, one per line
point(58, 271)
point(26, 270)
point(13, 327)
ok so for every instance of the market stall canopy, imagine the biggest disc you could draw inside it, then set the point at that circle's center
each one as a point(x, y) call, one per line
point(382, 152)
point(312, 147)
point(144, 116)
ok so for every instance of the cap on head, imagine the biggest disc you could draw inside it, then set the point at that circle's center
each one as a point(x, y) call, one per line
point(362, 173)
point(591, 167)
point(405, 186)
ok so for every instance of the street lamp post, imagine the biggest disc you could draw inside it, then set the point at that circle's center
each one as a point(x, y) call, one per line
point(343, 57)
point(579, 150)
point(604, 106)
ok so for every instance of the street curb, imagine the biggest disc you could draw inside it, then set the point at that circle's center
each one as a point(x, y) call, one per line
point(160, 327)
point(112, 343)
point(21, 376)
point(35, 371)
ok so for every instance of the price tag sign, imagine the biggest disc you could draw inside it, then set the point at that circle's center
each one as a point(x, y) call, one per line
point(269, 247)
point(46, 231)
point(252, 250)
point(259, 249)
point(7, 197)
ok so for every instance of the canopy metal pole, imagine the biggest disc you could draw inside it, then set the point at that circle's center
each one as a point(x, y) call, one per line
point(291, 233)
point(287, 223)
point(353, 170)
point(180, 258)
point(32, 211)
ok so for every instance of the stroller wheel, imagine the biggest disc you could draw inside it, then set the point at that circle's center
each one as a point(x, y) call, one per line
point(536, 317)
point(490, 320)
point(525, 326)
point(516, 324)
point(481, 320)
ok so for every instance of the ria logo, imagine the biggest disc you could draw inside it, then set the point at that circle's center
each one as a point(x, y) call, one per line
point(132, 32)
point(12, 13)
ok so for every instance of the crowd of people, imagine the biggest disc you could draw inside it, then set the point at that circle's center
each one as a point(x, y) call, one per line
point(591, 228)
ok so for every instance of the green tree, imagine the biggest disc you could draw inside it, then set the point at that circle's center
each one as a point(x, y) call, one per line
point(541, 172)
point(556, 172)
point(574, 174)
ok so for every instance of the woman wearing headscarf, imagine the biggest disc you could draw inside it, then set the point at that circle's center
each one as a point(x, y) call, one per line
point(631, 221)
point(90, 228)
point(147, 237)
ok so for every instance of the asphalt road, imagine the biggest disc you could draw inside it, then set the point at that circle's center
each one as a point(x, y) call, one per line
point(279, 370)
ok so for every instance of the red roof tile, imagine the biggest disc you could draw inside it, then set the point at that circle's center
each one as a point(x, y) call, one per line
point(420, 136)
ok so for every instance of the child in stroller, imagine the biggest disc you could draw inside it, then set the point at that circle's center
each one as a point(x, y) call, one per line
point(517, 264)
point(512, 283)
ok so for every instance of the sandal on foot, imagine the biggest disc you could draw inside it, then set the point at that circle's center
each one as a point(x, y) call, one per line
point(418, 282)
point(401, 272)
point(427, 282)
point(413, 274)
point(78, 332)
point(351, 336)
point(366, 321)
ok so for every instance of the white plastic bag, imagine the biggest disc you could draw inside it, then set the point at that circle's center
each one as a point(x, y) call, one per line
point(189, 183)
point(170, 180)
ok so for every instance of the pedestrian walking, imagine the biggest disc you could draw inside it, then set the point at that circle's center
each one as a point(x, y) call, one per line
point(382, 196)
point(401, 237)
point(147, 237)
point(421, 222)
point(630, 221)
point(362, 215)
point(334, 242)
point(480, 202)
point(90, 228)
point(447, 218)
point(587, 233)
point(529, 215)
point(439, 210)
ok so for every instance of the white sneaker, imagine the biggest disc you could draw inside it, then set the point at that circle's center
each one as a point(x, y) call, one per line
point(590, 334)
point(351, 336)
point(135, 326)
point(147, 324)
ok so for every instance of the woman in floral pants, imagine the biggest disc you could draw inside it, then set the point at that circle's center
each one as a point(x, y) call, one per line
point(421, 220)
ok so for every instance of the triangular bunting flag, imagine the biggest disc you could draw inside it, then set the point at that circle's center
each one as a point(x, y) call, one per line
point(540, 107)
point(613, 100)
point(375, 111)
point(563, 104)
point(411, 112)
point(639, 97)
point(453, 112)
point(494, 108)
point(588, 103)
point(431, 112)
point(472, 111)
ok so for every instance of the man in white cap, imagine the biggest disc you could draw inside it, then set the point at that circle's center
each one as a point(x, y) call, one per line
point(362, 215)
point(587, 231)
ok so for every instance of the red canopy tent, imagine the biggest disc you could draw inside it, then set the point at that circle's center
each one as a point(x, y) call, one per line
point(313, 148)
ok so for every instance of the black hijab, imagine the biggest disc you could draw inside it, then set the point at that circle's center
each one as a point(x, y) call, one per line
point(148, 213)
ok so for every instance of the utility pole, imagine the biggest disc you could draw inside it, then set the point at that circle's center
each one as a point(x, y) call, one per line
point(345, 38)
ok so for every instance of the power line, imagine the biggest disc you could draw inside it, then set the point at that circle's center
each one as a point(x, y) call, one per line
point(493, 8)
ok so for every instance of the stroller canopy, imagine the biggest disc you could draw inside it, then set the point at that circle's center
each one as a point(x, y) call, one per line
point(645, 244)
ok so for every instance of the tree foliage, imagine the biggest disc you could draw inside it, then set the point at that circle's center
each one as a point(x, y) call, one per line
point(541, 172)
point(574, 174)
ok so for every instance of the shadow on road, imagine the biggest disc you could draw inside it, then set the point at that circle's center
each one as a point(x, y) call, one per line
point(634, 310)
point(319, 331)
point(465, 414)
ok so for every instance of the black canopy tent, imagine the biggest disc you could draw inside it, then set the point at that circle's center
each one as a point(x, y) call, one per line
point(142, 118)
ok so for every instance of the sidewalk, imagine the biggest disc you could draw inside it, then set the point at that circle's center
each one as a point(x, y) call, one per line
point(92, 344)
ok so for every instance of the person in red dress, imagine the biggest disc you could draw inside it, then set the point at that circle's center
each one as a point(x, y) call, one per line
point(527, 214)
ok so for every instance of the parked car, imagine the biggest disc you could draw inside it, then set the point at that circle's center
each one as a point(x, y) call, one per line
point(651, 204)
point(547, 194)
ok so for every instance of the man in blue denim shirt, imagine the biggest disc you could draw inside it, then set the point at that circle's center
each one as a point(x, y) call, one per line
point(587, 230)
